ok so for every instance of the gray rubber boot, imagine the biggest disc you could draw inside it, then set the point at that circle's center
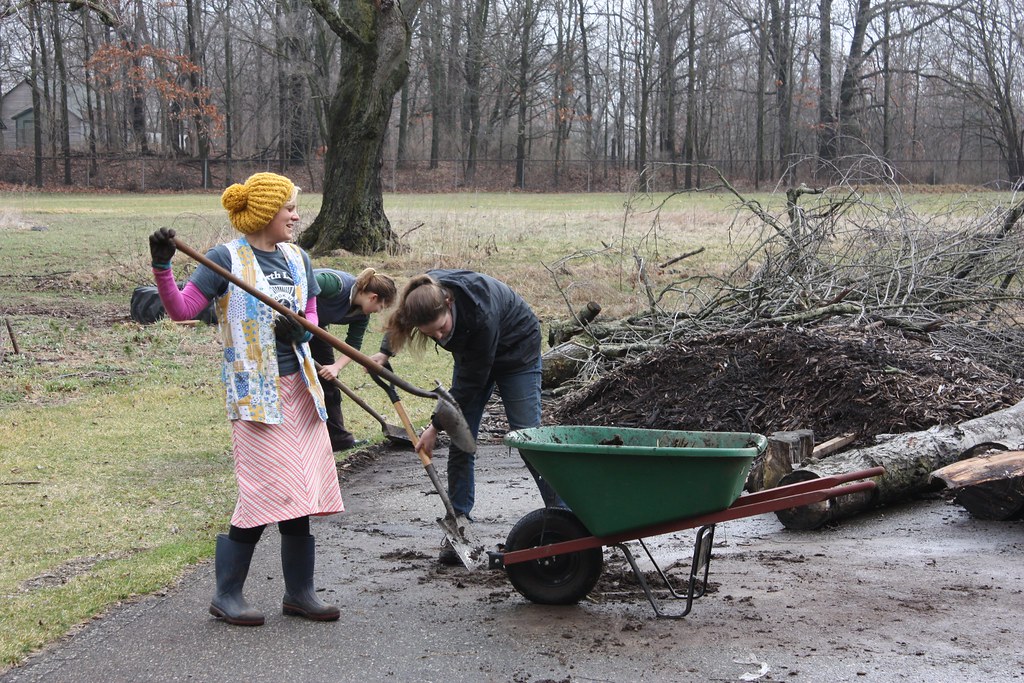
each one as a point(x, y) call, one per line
point(232, 567)
point(300, 600)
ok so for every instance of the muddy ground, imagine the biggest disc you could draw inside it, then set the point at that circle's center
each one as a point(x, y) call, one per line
point(918, 592)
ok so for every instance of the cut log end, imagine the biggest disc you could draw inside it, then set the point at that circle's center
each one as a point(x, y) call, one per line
point(988, 486)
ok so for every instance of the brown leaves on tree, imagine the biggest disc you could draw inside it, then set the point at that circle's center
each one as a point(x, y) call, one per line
point(145, 67)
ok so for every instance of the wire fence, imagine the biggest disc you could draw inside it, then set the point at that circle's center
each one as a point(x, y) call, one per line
point(164, 174)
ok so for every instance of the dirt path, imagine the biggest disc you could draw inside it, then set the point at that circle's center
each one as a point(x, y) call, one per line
point(921, 592)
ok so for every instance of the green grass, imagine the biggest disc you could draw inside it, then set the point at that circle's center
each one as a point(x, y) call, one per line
point(115, 469)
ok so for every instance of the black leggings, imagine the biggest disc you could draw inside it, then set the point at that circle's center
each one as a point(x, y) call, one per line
point(289, 527)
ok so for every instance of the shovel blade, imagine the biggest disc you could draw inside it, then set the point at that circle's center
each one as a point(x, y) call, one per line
point(455, 532)
point(396, 435)
point(448, 414)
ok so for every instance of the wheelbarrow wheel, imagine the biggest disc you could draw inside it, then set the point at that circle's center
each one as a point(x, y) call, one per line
point(558, 580)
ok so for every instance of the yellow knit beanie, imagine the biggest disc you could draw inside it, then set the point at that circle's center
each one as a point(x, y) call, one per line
point(253, 205)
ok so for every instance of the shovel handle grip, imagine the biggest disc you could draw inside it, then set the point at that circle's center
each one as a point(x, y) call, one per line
point(355, 354)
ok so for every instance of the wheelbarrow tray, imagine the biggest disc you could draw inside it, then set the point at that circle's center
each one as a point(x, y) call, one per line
point(616, 479)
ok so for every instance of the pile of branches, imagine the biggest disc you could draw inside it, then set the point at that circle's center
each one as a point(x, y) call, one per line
point(838, 258)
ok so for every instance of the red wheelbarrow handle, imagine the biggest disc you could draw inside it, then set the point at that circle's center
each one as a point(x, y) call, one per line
point(789, 496)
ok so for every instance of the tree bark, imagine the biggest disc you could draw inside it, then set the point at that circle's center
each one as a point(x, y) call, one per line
point(562, 363)
point(375, 63)
point(690, 136)
point(62, 79)
point(229, 104)
point(193, 13)
point(37, 102)
point(523, 82)
point(908, 459)
point(476, 22)
point(849, 90)
point(588, 97)
point(826, 119)
point(780, 16)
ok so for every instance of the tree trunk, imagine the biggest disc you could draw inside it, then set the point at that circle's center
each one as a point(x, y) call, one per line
point(667, 37)
point(138, 93)
point(374, 61)
point(782, 51)
point(430, 38)
point(198, 100)
point(887, 77)
point(849, 90)
point(62, 106)
point(476, 27)
point(37, 103)
point(229, 108)
point(643, 63)
point(562, 363)
point(401, 148)
point(90, 88)
point(588, 87)
point(690, 136)
point(908, 459)
point(523, 83)
point(759, 99)
point(826, 119)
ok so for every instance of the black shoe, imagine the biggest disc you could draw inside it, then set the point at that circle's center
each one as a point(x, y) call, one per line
point(348, 444)
point(448, 556)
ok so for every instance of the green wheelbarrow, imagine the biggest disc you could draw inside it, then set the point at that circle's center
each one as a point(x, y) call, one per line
point(626, 484)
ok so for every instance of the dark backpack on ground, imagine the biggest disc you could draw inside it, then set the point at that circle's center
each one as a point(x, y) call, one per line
point(146, 307)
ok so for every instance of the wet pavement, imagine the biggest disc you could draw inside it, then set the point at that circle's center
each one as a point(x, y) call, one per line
point(916, 592)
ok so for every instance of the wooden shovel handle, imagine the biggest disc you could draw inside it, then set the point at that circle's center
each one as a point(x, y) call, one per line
point(411, 431)
point(350, 351)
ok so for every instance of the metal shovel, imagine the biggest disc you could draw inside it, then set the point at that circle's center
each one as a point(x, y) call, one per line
point(447, 411)
point(392, 433)
point(454, 525)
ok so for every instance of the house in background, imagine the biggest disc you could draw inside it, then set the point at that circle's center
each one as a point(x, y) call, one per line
point(17, 118)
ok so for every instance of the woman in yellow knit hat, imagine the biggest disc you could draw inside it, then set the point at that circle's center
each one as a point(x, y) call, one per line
point(284, 465)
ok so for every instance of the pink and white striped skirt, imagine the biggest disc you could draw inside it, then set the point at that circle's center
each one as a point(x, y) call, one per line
point(285, 470)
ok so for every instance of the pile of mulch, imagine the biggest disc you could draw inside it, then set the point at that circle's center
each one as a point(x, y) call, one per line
point(832, 382)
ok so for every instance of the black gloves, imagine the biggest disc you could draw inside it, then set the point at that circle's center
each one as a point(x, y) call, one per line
point(161, 247)
point(290, 332)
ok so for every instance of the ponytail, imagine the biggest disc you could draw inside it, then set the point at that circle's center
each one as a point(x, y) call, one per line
point(422, 301)
point(372, 282)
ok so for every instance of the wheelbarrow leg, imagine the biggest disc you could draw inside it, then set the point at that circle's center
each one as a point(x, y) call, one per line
point(699, 567)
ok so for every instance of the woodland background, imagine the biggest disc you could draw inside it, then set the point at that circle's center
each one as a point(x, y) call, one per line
point(565, 95)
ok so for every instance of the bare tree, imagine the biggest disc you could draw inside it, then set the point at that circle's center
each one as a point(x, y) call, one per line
point(984, 67)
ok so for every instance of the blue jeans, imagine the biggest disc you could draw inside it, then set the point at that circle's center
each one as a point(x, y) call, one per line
point(520, 395)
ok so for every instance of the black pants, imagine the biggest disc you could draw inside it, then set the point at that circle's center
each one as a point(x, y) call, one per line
point(341, 438)
point(289, 527)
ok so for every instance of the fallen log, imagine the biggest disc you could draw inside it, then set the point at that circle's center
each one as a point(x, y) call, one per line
point(989, 486)
point(562, 363)
point(908, 459)
point(561, 332)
